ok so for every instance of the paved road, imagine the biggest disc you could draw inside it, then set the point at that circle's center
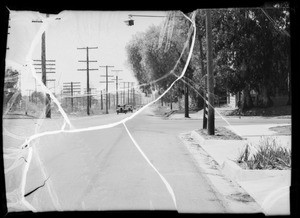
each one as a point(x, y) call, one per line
point(103, 170)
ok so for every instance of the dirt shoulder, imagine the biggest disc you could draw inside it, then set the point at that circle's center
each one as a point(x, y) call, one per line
point(221, 133)
point(271, 111)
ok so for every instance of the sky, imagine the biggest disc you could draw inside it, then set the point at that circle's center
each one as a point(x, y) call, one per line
point(75, 29)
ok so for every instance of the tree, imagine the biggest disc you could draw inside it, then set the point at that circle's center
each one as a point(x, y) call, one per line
point(151, 62)
point(12, 95)
point(250, 52)
point(39, 96)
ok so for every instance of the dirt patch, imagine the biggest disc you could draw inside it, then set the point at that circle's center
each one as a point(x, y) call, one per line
point(221, 133)
point(271, 111)
point(242, 197)
point(283, 130)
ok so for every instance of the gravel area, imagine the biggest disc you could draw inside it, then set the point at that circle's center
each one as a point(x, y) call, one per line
point(221, 133)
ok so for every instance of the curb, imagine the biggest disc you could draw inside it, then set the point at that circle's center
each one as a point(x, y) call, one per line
point(201, 140)
point(233, 197)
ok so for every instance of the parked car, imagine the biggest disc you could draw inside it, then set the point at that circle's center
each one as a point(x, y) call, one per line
point(121, 109)
point(129, 108)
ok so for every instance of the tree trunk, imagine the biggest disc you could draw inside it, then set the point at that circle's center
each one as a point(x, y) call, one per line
point(289, 102)
point(246, 100)
point(200, 101)
point(179, 103)
point(288, 42)
point(186, 101)
point(265, 100)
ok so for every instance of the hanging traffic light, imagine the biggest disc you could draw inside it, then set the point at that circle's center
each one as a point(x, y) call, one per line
point(129, 22)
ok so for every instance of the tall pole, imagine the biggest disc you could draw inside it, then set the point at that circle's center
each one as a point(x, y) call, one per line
point(43, 68)
point(108, 100)
point(205, 85)
point(186, 100)
point(72, 96)
point(133, 97)
point(87, 76)
point(35, 91)
point(117, 86)
point(106, 94)
point(124, 93)
point(128, 92)
point(210, 77)
point(44, 77)
point(101, 100)
point(87, 82)
point(117, 94)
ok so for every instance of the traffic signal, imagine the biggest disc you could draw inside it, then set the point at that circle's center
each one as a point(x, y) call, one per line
point(129, 22)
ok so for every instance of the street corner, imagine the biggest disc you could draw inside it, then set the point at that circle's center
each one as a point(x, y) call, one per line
point(259, 184)
point(234, 198)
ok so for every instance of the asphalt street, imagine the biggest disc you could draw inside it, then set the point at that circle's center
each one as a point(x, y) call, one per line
point(104, 170)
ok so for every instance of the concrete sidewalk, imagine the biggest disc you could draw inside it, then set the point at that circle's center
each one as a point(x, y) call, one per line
point(269, 188)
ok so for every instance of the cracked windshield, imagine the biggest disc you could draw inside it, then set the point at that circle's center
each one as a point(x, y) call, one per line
point(148, 110)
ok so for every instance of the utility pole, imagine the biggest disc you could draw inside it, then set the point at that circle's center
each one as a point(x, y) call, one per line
point(91, 93)
point(44, 70)
point(72, 103)
point(29, 93)
point(43, 63)
point(133, 97)
point(186, 91)
point(70, 89)
point(186, 100)
point(108, 100)
point(7, 48)
point(101, 100)
point(132, 93)
point(210, 77)
point(127, 92)
point(124, 93)
point(87, 75)
point(106, 94)
point(117, 84)
point(205, 111)
point(128, 88)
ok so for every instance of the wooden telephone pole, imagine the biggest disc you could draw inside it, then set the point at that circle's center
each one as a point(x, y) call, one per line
point(210, 77)
point(124, 93)
point(43, 64)
point(117, 86)
point(106, 82)
point(88, 69)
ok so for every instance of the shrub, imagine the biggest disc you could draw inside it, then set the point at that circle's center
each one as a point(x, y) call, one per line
point(269, 155)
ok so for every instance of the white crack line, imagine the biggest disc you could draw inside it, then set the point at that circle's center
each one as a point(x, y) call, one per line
point(23, 182)
point(66, 119)
point(72, 130)
point(49, 185)
point(148, 161)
